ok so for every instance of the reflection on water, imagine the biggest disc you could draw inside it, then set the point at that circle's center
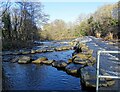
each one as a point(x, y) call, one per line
point(37, 77)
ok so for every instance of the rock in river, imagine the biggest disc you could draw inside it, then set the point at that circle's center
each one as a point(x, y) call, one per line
point(70, 60)
point(82, 56)
point(59, 64)
point(92, 61)
point(33, 51)
point(89, 52)
point(39, 60)
point(25, 52)
point(88, 78)
point(62, 48)
point(73, 68)
point(48, 62)
point(78, 60)
point(24, 60)
point(38, 51)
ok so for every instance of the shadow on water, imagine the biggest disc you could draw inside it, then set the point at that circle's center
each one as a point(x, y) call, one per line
point(37, 77)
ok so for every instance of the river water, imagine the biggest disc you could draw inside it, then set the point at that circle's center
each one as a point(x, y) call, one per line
point(40, 77)
point(43, 77)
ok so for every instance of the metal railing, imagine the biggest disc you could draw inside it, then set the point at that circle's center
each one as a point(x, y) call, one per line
point(98, 66)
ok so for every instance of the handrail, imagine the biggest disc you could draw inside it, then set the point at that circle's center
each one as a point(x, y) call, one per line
point(98, 66)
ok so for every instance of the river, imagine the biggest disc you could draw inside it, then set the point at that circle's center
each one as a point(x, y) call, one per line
point(44, 77)
point(40, 77)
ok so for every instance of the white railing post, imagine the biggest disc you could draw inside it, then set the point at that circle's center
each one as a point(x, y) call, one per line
point(98, 67)
point(98, 59)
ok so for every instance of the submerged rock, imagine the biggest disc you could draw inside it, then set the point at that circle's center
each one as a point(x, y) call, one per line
point(59, 64)
point(24, 60)
point(73, 68)
point(6, 59)
point(16, 53)
point(39, 60)
point(7, 53)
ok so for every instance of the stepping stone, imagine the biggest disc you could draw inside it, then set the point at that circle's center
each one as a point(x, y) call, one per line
point(69, 60)
point(48, 62)
point(82, 56)
point(33, 51)
point(59, 64)
point(39, 60)
point(24, 60)
point(25, 52)
point(78, 60)
point(73, 68)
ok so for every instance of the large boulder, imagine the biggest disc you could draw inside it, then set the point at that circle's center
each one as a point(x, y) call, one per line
point(59, 64)
point(73, 68)
point(24, 60)
point(48, 62)
point(88, 78)
point(39, 60)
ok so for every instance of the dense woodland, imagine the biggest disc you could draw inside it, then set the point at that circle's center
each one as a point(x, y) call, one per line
point(21, 23)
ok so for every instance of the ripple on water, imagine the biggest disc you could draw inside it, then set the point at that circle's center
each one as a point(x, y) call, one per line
point(40, 77)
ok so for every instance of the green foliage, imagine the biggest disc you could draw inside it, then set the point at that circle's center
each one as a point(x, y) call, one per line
point(102, 21)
